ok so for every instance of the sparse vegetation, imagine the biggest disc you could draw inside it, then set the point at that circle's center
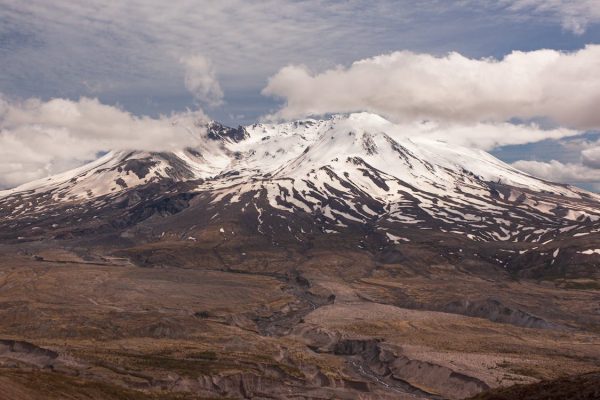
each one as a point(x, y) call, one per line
point(578, 387)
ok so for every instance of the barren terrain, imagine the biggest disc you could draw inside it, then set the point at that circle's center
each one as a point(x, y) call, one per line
point(314, 324)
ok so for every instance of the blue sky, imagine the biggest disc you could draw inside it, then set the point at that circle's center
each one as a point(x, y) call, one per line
point(52, 50)
point(153, 58)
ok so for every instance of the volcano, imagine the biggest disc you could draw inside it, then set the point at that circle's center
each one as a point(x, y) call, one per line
point(336, 258)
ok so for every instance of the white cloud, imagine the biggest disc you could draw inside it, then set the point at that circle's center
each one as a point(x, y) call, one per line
point(404, 86)
point(116, 51)
point(486, 136)
point(574, 15)
point(40, 138)
point(590, 157)
point(557, 171)
point(201, 80)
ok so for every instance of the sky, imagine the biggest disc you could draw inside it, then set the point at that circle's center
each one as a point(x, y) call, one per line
point(518, 78)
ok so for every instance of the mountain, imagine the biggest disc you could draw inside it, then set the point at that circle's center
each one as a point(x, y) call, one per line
point(316, 259)
point(356, 175)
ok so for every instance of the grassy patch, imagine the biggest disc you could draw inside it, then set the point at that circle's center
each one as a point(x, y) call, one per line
point(203, 355)
point(201, 363)
point(582, 285)
point(55, 386)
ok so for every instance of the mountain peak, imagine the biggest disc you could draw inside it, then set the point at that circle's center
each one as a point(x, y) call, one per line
point(347, 169)
point(218, 131)
point(295, 149)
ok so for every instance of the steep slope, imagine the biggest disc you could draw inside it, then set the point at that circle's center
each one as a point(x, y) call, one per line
point(360, 168)
point(356, 175)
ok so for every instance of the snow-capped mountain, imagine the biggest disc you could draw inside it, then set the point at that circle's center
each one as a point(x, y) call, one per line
point(359, 168)
point(289, 182)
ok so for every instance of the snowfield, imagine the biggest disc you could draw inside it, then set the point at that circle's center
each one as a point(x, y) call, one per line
point(349, 169)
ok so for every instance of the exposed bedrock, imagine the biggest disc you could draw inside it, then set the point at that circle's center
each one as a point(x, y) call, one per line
point(496, 311)
point(14, 352)
point(491, 309)
point(387, 367)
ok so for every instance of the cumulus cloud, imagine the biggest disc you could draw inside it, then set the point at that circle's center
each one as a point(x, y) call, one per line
point(201, 80)
point(39, 138)
point(585, 171)
point(590, 157)
point(561, 87)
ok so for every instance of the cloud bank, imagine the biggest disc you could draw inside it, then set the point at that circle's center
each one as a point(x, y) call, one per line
point(563, 88)
point(485, 136)
point(40, 138)
point(557, 171)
